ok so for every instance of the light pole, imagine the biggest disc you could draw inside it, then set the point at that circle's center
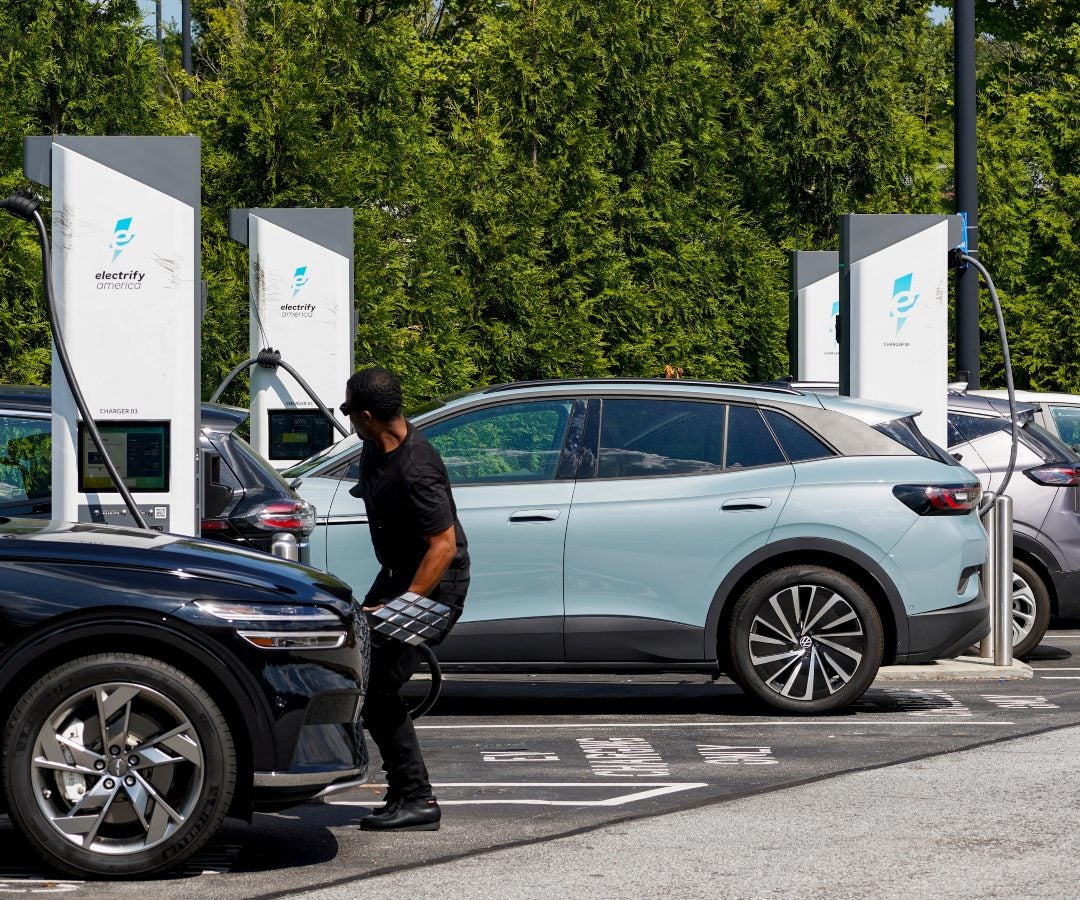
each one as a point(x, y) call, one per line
point(965, 174)
point(185, 29)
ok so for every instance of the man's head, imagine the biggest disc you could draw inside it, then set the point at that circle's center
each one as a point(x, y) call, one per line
point(373, 400)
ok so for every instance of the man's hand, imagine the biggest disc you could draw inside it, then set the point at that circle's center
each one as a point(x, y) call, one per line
point(371, 609)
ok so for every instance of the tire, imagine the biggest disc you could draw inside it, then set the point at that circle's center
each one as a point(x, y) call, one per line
point(1030, 608)
point(805, 639)
point(142, 801)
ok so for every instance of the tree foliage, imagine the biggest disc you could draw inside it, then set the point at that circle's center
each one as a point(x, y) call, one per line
point(552, 188)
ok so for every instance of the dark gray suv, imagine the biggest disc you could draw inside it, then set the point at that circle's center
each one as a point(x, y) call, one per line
point(1045, 489)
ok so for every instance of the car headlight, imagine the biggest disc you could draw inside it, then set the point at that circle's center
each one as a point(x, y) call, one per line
point(280, 616)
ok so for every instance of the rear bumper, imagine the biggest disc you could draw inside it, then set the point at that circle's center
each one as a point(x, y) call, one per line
point(945, 633)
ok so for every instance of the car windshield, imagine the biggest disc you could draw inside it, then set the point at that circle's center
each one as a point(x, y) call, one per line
point(329, 455)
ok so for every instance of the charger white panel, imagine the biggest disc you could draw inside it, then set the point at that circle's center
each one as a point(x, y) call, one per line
point(815, 306)
point(894, 313)
point(125, 236)
point(301, 304)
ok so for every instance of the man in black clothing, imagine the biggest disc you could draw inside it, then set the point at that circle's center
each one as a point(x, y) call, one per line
point(422, 549)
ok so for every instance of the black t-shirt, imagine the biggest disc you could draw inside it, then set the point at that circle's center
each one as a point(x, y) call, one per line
point(407, 495)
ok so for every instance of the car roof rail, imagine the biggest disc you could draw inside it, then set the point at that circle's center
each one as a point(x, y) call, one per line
point(554, 382)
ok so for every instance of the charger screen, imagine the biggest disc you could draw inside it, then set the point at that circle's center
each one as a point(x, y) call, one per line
point(139, 450)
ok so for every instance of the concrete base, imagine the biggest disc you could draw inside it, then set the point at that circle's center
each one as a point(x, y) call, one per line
point(963, 668)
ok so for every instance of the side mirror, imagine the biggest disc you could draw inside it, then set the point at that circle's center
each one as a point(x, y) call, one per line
point(957, 456)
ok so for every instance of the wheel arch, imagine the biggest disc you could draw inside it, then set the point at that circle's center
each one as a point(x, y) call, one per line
point(127, 633)
point(818, 552)
point(1042, 561)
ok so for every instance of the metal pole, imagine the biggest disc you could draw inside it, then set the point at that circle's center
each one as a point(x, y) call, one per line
point(965, 172)
point(185, 29)
point(990, 577)
point(1003, 632)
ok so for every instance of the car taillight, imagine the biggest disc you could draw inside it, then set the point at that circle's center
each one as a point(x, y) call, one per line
point(215, 525)
point(1061, 475)
point(284, 515)
point(939, 499)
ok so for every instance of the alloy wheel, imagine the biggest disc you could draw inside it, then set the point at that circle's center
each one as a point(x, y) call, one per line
point(117, 768)
point(806, 642)
point(1023, 609)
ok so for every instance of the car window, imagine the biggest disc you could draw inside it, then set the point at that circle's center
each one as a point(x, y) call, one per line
point(1067, 421)
point(1048, 445)
point(971, 428)
point(506, 443)
point(798, 442)
point(25, 459)
point(640, 438)
point(749, 441)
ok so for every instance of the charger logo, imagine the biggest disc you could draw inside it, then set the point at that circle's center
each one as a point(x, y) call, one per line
point(299, 279)
point(122, 236)
point(833, 313)
point(903, 301)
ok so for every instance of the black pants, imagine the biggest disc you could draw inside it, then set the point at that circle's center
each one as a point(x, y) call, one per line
point(386, 716)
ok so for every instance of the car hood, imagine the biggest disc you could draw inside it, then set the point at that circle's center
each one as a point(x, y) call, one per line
point(184, 556)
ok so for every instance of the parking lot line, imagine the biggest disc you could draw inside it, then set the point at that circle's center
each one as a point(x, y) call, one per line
point(817, 723)
point(656, 789)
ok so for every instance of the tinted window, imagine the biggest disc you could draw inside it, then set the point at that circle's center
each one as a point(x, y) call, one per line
point(513, 442)
point(25, 460)
point(798, 442)
point(749, 442)
point(1046, 444)
point(640, 438)
point(1067, 421)
point(905, 431)
point(972, 428)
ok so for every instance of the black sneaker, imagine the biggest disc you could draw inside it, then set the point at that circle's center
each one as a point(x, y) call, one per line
point(406, 815)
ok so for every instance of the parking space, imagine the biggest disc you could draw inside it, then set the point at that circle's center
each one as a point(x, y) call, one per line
point(525, 759)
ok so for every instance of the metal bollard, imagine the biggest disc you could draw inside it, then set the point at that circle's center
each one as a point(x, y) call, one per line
point(285, 546)
point(997, 578)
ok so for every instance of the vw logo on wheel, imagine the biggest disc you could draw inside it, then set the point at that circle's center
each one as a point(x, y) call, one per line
point(806, 642)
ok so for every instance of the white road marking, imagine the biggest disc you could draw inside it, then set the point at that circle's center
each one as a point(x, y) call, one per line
point(786, 723)
point(656, 789)
point(1012, 701)
point(1060, 677)
point(929, 702)
point(623, 756)
point(518, 756)
point(725, 755)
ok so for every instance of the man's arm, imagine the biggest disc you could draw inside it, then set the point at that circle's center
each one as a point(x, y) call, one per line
point(441, 549)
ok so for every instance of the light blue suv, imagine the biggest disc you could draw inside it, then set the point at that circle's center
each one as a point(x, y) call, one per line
point(794, 541)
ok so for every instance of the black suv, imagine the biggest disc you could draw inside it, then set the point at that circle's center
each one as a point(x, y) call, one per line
point(151, 685)
point(245, 501)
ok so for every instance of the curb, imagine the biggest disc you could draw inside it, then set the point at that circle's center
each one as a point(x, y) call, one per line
point(964, 668)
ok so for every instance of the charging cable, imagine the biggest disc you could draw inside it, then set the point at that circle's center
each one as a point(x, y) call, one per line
point(958, 259)
point(25, 205)
point(269, 358)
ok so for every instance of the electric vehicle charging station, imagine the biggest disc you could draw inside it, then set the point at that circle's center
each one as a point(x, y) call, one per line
point(813, 311)
point(301, 305)
point(894, 311)
point(126, 270)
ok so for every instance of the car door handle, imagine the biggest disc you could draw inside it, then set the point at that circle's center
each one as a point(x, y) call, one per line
point(535, 515)
point(747, 503)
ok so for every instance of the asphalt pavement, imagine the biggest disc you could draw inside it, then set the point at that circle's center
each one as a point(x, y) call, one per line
point(684, 786)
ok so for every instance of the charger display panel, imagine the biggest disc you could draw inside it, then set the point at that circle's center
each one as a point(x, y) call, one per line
point(139, 450)
point(298, 434)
